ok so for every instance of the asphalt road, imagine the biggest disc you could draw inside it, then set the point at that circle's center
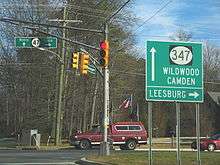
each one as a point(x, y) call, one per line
point(16, 157)
point(59, 157)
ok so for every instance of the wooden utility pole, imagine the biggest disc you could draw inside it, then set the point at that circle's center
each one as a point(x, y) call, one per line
point(59, 108)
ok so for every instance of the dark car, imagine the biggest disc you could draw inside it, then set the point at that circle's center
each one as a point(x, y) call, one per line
point(212, 143)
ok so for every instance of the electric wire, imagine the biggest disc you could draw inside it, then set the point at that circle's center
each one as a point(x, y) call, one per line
point(157, 12)
point(117, 11)
point(97, 11)
point(107, 9)
point(112, 15)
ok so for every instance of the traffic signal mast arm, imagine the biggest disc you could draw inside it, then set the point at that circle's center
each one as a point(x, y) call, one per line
point(53, 35)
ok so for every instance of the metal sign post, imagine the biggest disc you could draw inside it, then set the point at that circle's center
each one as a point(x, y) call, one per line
point(150, 106)
point(178, 157)
point(198, 134)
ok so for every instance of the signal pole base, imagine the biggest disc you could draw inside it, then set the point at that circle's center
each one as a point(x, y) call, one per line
point(104, 149)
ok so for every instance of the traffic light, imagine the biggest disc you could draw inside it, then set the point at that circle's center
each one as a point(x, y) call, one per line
point(104, 53)
point(75, 60)
point(84, 63)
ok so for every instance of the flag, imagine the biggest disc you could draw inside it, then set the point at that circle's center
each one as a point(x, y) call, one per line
point(126, 103)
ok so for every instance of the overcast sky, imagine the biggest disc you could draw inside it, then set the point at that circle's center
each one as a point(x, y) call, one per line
point(199, 17)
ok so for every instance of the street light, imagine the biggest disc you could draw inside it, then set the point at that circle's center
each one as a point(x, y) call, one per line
point(58, 113)
point(55, 54)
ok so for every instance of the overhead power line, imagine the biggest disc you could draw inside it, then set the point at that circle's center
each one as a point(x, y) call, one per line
point(117, 11)
point(92, 10)
point(158, 11)
point(49, 25)
point(53, 35)
point(111, 16)
point(166, 36)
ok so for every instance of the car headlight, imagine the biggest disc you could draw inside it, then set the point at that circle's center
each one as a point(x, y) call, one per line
point(75, 137)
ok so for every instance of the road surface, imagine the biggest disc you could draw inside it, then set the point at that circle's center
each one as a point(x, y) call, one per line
point(18, 157)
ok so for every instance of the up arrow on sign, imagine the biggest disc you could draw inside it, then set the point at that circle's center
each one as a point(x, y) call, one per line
point(153, 52)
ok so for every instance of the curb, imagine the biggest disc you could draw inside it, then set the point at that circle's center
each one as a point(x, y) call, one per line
point(6, 148)
point(84, 161)
point(37, 149)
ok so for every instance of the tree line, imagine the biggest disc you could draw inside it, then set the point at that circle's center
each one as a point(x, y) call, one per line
point(29, 80)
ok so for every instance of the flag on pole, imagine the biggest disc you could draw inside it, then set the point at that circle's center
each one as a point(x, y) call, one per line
point(126, 103)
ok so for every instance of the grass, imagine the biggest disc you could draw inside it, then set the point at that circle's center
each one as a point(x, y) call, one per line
point(159, 158)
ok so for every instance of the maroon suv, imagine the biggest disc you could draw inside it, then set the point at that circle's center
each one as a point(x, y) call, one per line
point(212, 143)
point(125, 134)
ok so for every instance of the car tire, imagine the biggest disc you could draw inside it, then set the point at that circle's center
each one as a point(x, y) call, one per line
point(131, 144)
point(211, 147)
point(122, 147)
point(84, 145)
point(193, 145)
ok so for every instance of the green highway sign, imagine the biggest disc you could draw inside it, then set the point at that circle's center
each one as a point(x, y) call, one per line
point(31, 42)
point(174, 71)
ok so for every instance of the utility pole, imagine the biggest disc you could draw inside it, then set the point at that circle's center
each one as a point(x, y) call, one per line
point(59, 108)
point(104, 149)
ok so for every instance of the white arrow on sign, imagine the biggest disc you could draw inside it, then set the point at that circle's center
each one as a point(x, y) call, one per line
point(194, 94)
point(153, 52)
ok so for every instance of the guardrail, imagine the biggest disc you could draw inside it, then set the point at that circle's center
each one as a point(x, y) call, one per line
point(172, 140)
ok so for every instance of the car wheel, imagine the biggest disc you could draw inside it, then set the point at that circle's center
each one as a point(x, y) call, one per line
point(131, 144)
point(193, 145)
point(84, 144)
point(122, 147)
point(211, 147)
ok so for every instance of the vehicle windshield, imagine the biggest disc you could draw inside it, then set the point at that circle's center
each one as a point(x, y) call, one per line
point(95, 129)
point(215, 137)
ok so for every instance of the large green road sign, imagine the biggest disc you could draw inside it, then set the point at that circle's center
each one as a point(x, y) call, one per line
point(31, 42)
point(174, 71)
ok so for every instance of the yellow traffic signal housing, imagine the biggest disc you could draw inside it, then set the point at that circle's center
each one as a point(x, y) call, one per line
point(75, 60)
point(104, 53)
point(84, 63)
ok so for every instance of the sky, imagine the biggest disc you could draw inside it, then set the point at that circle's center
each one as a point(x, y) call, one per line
point(201, 18)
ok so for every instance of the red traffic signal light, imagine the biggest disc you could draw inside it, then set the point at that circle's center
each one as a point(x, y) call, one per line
point(104, 53)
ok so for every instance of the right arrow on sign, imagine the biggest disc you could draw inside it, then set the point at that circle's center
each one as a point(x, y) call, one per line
point(194, 94)
point(153, 52)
